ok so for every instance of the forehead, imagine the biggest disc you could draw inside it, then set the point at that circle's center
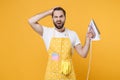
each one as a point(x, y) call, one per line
point(58, 13)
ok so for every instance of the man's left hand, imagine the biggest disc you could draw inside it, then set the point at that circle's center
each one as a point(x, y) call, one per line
point(90, 33)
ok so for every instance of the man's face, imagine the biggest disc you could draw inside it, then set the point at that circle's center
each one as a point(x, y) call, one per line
point(58, 19)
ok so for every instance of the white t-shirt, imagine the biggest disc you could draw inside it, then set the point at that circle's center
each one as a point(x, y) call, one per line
point(48, 34)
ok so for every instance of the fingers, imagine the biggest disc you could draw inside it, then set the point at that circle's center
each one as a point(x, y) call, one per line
point(91, 28)
point(51, 10)
point(91, 33)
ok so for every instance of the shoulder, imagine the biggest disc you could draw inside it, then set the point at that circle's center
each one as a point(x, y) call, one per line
point(46, 28)
point(74, 37)
point(71, 32)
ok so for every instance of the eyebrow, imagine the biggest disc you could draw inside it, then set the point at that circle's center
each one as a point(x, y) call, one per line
point(59, 16)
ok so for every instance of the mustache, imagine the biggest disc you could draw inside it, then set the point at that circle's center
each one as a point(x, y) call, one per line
point(59, 21)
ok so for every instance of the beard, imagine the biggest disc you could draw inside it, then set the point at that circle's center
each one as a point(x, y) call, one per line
point(59, 24)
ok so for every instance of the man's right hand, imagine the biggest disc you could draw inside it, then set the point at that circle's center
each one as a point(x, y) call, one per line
point(51, 10)
point(33, 21)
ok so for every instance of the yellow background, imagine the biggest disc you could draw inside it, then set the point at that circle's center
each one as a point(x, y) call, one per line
point(22, 52)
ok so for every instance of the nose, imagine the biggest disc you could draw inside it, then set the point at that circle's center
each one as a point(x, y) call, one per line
point(58, 18)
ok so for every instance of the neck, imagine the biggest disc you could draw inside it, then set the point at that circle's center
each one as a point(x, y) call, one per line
point(60, 30)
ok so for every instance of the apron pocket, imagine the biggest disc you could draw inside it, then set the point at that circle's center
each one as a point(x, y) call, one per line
point(55, 56)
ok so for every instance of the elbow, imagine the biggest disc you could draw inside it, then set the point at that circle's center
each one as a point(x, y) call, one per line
point(30, 21)
point(84, 55)
point(82, 52)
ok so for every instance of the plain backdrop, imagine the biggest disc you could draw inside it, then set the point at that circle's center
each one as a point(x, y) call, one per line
point(22, 51)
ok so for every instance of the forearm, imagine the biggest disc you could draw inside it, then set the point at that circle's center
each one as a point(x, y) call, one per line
point(33, 21)
point(39, 16)
point(86, 47)
point(83, 51)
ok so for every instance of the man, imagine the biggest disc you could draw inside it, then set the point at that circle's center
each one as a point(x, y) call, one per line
point(59, 42)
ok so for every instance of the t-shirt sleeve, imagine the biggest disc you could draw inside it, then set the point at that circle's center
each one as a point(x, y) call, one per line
point(76, 39)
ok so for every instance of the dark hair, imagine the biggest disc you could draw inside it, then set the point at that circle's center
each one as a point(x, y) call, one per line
point(59, 8)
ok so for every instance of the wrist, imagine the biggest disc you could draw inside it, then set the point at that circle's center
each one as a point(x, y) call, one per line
point(50, 12)
point(88, 39)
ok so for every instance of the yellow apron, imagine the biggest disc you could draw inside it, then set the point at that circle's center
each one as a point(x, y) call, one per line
point(60, 60)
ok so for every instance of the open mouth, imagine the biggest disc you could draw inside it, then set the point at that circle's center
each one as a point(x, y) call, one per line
point(58, 22)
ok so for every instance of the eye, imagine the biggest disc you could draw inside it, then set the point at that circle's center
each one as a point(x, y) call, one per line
point(61, 16)
point(55, 16)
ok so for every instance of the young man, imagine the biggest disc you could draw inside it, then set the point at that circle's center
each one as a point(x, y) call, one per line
point(59, 42)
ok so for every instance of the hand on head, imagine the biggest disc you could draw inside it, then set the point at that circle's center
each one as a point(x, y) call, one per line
point(51, 10)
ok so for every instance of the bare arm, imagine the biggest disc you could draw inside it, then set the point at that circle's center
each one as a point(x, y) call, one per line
point(33, 21)
point(83, 50)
